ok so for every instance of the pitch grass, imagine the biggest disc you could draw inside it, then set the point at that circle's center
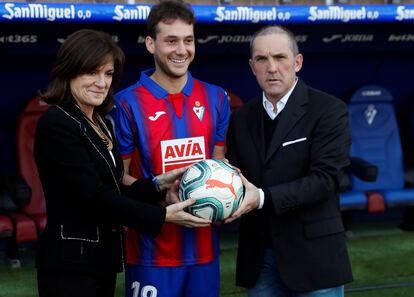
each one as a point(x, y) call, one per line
point(377, 259)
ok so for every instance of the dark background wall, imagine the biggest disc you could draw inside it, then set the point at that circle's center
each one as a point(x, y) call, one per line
point(338, 58)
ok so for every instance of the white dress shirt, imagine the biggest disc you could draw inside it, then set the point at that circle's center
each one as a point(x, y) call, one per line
point(273, 113)
point(280, 105)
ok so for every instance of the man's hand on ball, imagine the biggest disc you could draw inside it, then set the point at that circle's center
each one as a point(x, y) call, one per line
point(232, 166)
point(250, 202)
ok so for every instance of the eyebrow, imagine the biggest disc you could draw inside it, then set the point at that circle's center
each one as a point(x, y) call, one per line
point(176, 36)
point(259, 56)
point(277, 55)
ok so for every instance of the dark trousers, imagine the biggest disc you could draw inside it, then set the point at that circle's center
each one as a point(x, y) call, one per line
point(71, 284)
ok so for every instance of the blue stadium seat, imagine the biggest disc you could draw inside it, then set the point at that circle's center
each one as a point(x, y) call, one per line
point(375, 138)
point(407, 222)
point(352, 199)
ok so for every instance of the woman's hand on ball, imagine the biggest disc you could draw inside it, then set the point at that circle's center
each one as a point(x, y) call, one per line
point(171, 196)
point(176, 214)
point(168, 179)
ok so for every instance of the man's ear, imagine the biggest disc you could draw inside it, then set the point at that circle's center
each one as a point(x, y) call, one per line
point(252, 66)
point(150, 44)
point(298, 62)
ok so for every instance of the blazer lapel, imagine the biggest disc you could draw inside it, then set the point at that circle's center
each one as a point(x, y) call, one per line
point(292, 113)
point(255, 126)
point(91, 134)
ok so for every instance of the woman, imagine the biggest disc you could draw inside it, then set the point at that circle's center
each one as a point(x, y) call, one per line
point(81, 248)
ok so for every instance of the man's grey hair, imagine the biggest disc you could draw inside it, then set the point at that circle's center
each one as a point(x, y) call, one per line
point(273, 29)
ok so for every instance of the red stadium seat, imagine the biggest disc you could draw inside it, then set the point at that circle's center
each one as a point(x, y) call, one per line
point(31, 220)
point(6, 227)
point(235, 100)
point(26, 127)
point(7, 235)
point(25, 228)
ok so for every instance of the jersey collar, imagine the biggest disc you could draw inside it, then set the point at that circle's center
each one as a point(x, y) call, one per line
point(158, 91)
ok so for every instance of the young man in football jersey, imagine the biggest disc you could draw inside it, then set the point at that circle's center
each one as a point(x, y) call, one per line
point(169, 119)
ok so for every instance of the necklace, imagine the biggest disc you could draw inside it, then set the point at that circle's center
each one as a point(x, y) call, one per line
point(97, 123)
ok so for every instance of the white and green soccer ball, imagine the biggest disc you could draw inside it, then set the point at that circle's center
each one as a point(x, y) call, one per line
point(215, 185)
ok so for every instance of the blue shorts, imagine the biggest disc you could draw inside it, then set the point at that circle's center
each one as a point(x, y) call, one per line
point(201, 280)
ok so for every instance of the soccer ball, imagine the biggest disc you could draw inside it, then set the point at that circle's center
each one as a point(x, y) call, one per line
point(217, 187)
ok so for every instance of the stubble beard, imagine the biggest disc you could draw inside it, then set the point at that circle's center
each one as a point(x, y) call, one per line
point(166, 70)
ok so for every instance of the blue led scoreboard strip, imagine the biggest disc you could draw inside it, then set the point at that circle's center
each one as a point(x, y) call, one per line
point(207, 14)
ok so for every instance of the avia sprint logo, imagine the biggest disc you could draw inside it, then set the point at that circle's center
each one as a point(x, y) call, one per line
point(177, 153)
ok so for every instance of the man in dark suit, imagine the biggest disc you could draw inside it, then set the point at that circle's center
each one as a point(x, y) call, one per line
point(291, 142)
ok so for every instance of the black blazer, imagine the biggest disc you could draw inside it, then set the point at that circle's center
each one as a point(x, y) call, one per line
point(85, 208)
point(299, 174)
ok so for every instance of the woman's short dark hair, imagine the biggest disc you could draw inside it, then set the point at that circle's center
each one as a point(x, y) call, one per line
point(168, 11)
point(82, 52)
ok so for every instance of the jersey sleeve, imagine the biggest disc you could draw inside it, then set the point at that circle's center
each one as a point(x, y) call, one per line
point(223, 117)
point(124, 128)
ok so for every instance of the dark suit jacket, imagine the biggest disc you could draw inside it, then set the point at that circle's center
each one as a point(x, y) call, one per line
point(85, 208)
point(299, 174)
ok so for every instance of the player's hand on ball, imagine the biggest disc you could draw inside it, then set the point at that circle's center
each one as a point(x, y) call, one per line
point(251, 200)
point(176, 214)
point(167, 179)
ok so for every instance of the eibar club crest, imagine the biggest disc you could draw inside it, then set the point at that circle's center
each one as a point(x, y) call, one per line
point(198, 110)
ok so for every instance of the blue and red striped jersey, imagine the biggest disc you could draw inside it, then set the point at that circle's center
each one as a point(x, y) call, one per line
point(158, 132)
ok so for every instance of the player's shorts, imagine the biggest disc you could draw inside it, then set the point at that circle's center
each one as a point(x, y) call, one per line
point(198, 280)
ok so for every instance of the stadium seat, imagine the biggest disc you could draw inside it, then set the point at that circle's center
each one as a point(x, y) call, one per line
point(409, 172)
point(26, 127)
point(351, 199)
point(407, 223)
point(7, 235)
point(6, 226)
point(376, 138)
point(235, 100)
point(28, 220)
